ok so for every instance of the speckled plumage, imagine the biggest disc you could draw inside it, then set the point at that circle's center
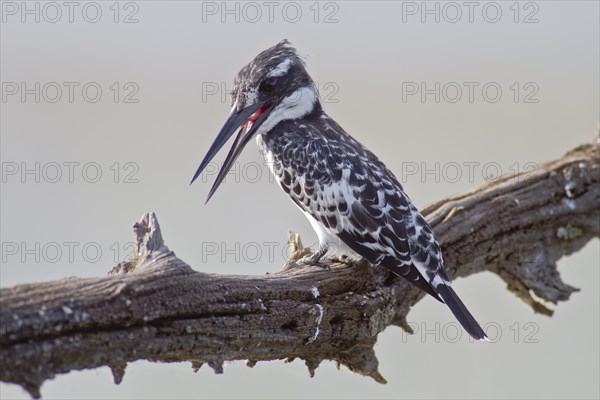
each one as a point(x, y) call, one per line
point(343, 186)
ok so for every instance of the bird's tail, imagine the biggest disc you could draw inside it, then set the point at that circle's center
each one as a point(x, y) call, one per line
point(460, 311)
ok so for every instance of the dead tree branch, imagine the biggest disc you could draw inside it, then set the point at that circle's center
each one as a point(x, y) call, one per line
point(156, 307)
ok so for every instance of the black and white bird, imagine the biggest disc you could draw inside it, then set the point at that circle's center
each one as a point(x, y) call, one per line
point(354, 203)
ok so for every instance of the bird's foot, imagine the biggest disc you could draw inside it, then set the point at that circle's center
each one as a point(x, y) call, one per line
point(314, 259)
point(310, 260)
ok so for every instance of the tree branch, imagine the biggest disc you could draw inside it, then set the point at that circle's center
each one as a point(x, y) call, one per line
point(156, 307)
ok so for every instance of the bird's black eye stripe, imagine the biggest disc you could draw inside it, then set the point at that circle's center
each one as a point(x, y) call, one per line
point(268, 85)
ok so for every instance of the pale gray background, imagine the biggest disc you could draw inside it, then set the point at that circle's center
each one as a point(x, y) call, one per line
point(171, 53)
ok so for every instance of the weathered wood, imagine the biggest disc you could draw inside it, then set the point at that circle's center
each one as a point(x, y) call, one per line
point(156, 307)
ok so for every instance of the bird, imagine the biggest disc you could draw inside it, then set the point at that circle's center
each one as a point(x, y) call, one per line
point(353, 201)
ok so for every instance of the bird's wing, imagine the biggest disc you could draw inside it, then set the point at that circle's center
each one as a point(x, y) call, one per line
point(354, 196)
point(347, 189)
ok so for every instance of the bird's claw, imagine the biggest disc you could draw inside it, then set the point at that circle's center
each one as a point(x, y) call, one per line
point(309, 260)
point(315, 259)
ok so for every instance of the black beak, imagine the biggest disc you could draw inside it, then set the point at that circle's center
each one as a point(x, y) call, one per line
point(236, 119)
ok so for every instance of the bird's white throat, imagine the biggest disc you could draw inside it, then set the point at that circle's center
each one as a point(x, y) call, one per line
point(294, 106)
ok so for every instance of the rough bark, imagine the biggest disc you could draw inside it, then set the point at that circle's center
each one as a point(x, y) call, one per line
point(156, 307)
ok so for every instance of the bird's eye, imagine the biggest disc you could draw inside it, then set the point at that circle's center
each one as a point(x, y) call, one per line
point(267, 85)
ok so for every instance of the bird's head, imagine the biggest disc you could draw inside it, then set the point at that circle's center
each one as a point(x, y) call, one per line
point(271, 88)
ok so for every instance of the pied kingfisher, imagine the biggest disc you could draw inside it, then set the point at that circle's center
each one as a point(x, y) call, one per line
point(349, 196)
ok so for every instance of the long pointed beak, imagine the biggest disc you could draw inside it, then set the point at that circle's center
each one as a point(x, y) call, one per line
point(254, 114)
